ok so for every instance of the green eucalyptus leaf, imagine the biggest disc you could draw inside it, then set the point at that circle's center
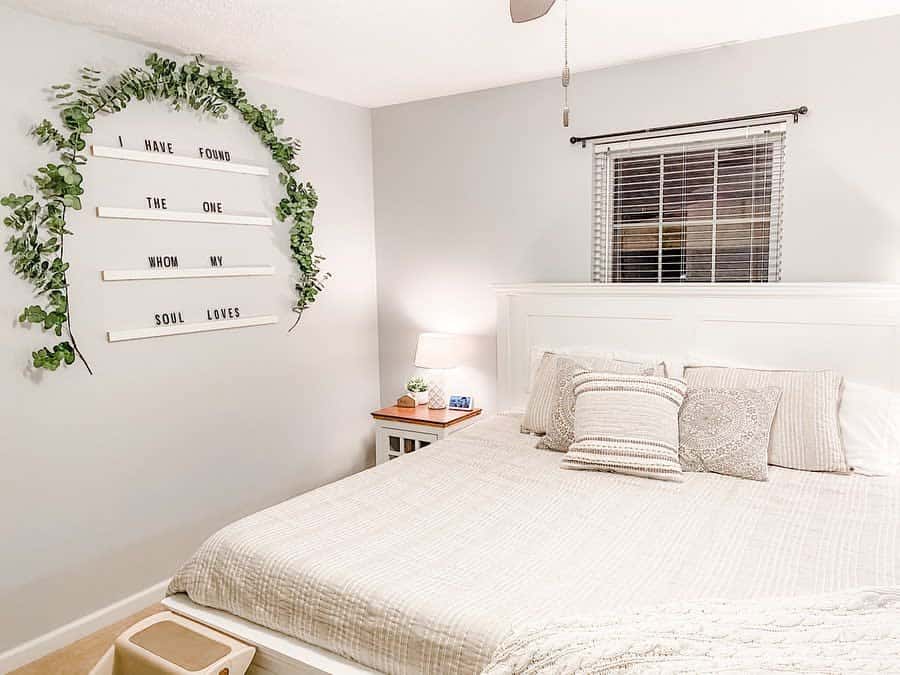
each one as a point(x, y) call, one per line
point(40, 225)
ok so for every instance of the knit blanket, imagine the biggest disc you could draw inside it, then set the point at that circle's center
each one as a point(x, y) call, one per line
point(854, 631)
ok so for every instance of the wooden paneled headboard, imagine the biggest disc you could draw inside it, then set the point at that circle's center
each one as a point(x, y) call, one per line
point(850, 328)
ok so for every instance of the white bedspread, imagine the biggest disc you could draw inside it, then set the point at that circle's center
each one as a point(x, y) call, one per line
point(424, 564)
point(844, 632)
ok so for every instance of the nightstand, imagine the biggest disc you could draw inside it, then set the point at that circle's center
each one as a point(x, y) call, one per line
point(399, 431)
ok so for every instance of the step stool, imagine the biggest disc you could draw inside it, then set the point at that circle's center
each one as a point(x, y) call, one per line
point(168, 644)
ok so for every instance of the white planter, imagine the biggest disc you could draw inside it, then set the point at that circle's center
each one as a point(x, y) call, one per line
point(420, 396)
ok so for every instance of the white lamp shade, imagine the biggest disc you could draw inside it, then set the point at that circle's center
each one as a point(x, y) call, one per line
point(438, 351)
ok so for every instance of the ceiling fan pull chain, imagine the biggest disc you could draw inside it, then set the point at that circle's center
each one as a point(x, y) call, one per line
point(566, 75)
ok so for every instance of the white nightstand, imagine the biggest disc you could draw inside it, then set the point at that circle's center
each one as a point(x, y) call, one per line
point(402, 430)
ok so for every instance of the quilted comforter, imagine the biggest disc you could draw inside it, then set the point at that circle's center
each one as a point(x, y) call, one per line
point(424, 564)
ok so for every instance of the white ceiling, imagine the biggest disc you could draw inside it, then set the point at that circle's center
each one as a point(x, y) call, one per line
point(378, 52)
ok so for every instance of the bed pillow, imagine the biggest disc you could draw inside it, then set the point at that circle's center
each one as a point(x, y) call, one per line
point(726, 431)
point(673, 362)
point(536, 356)
point(626, 424)
point(870, 425)
point(560, 429)
point(546, 388)
point(806, 433)
point(541, 399)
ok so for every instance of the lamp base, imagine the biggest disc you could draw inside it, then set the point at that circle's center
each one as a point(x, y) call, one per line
point(437, 397)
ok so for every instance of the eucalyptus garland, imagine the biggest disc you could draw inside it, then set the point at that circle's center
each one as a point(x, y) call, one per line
point(37, 244)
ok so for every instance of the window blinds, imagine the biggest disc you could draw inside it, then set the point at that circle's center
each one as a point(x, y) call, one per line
point(703, 211)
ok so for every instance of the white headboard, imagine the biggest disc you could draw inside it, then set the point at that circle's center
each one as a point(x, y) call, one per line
point(849, 328)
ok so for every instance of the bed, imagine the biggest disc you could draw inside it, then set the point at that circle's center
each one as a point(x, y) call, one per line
point(425, 563)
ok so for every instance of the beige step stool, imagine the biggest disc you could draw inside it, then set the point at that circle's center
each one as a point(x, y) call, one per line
point(168, 644)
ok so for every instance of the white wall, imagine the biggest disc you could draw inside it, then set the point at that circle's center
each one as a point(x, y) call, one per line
point(485, 187)
point(108, 482)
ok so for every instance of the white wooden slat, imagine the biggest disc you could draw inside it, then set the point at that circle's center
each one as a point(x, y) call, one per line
point(177, 160)
point(187, 328)
point(182, 216)
point(187, 273)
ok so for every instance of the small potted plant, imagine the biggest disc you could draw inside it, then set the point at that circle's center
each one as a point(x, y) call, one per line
point(417, 387)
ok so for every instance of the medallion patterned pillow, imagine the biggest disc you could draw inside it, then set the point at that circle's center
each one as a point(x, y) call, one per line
point(561, 423)
point(727, 430)
point(549, 384)
point(626, 424)
point(806, 432)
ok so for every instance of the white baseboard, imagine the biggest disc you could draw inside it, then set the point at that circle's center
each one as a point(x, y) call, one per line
point(75, 630)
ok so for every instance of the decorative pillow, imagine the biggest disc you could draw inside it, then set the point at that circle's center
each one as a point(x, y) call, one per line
point(626, 424)
point(805, 433)
point(673, 361)
point(545, 391)
point(560, 430)
point(727, 431)
point(870, 427)
point(536, 355)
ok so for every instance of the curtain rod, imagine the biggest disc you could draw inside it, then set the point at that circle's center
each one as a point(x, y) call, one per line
point(793, 112)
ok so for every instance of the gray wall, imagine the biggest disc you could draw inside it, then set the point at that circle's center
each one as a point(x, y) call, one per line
point(108, 482)
point(484, 187)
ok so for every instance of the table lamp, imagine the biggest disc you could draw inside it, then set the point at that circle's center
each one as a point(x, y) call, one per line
point(437, 352)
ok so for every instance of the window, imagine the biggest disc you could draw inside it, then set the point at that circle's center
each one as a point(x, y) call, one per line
point(699, 211)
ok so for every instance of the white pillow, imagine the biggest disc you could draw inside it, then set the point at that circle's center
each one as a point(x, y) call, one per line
point(870, 425)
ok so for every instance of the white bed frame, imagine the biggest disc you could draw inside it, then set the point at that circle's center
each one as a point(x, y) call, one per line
point(276, 653)
point(851, 328)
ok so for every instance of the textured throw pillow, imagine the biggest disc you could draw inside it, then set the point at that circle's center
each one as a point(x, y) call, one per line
point(560, 431)
point(727, 431)
point(806, 433)
point(626, 424)
point(545, 391)
point(537, 352)
point(673, 361)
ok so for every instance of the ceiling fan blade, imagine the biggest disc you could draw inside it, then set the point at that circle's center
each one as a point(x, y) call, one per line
point(521, 11)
